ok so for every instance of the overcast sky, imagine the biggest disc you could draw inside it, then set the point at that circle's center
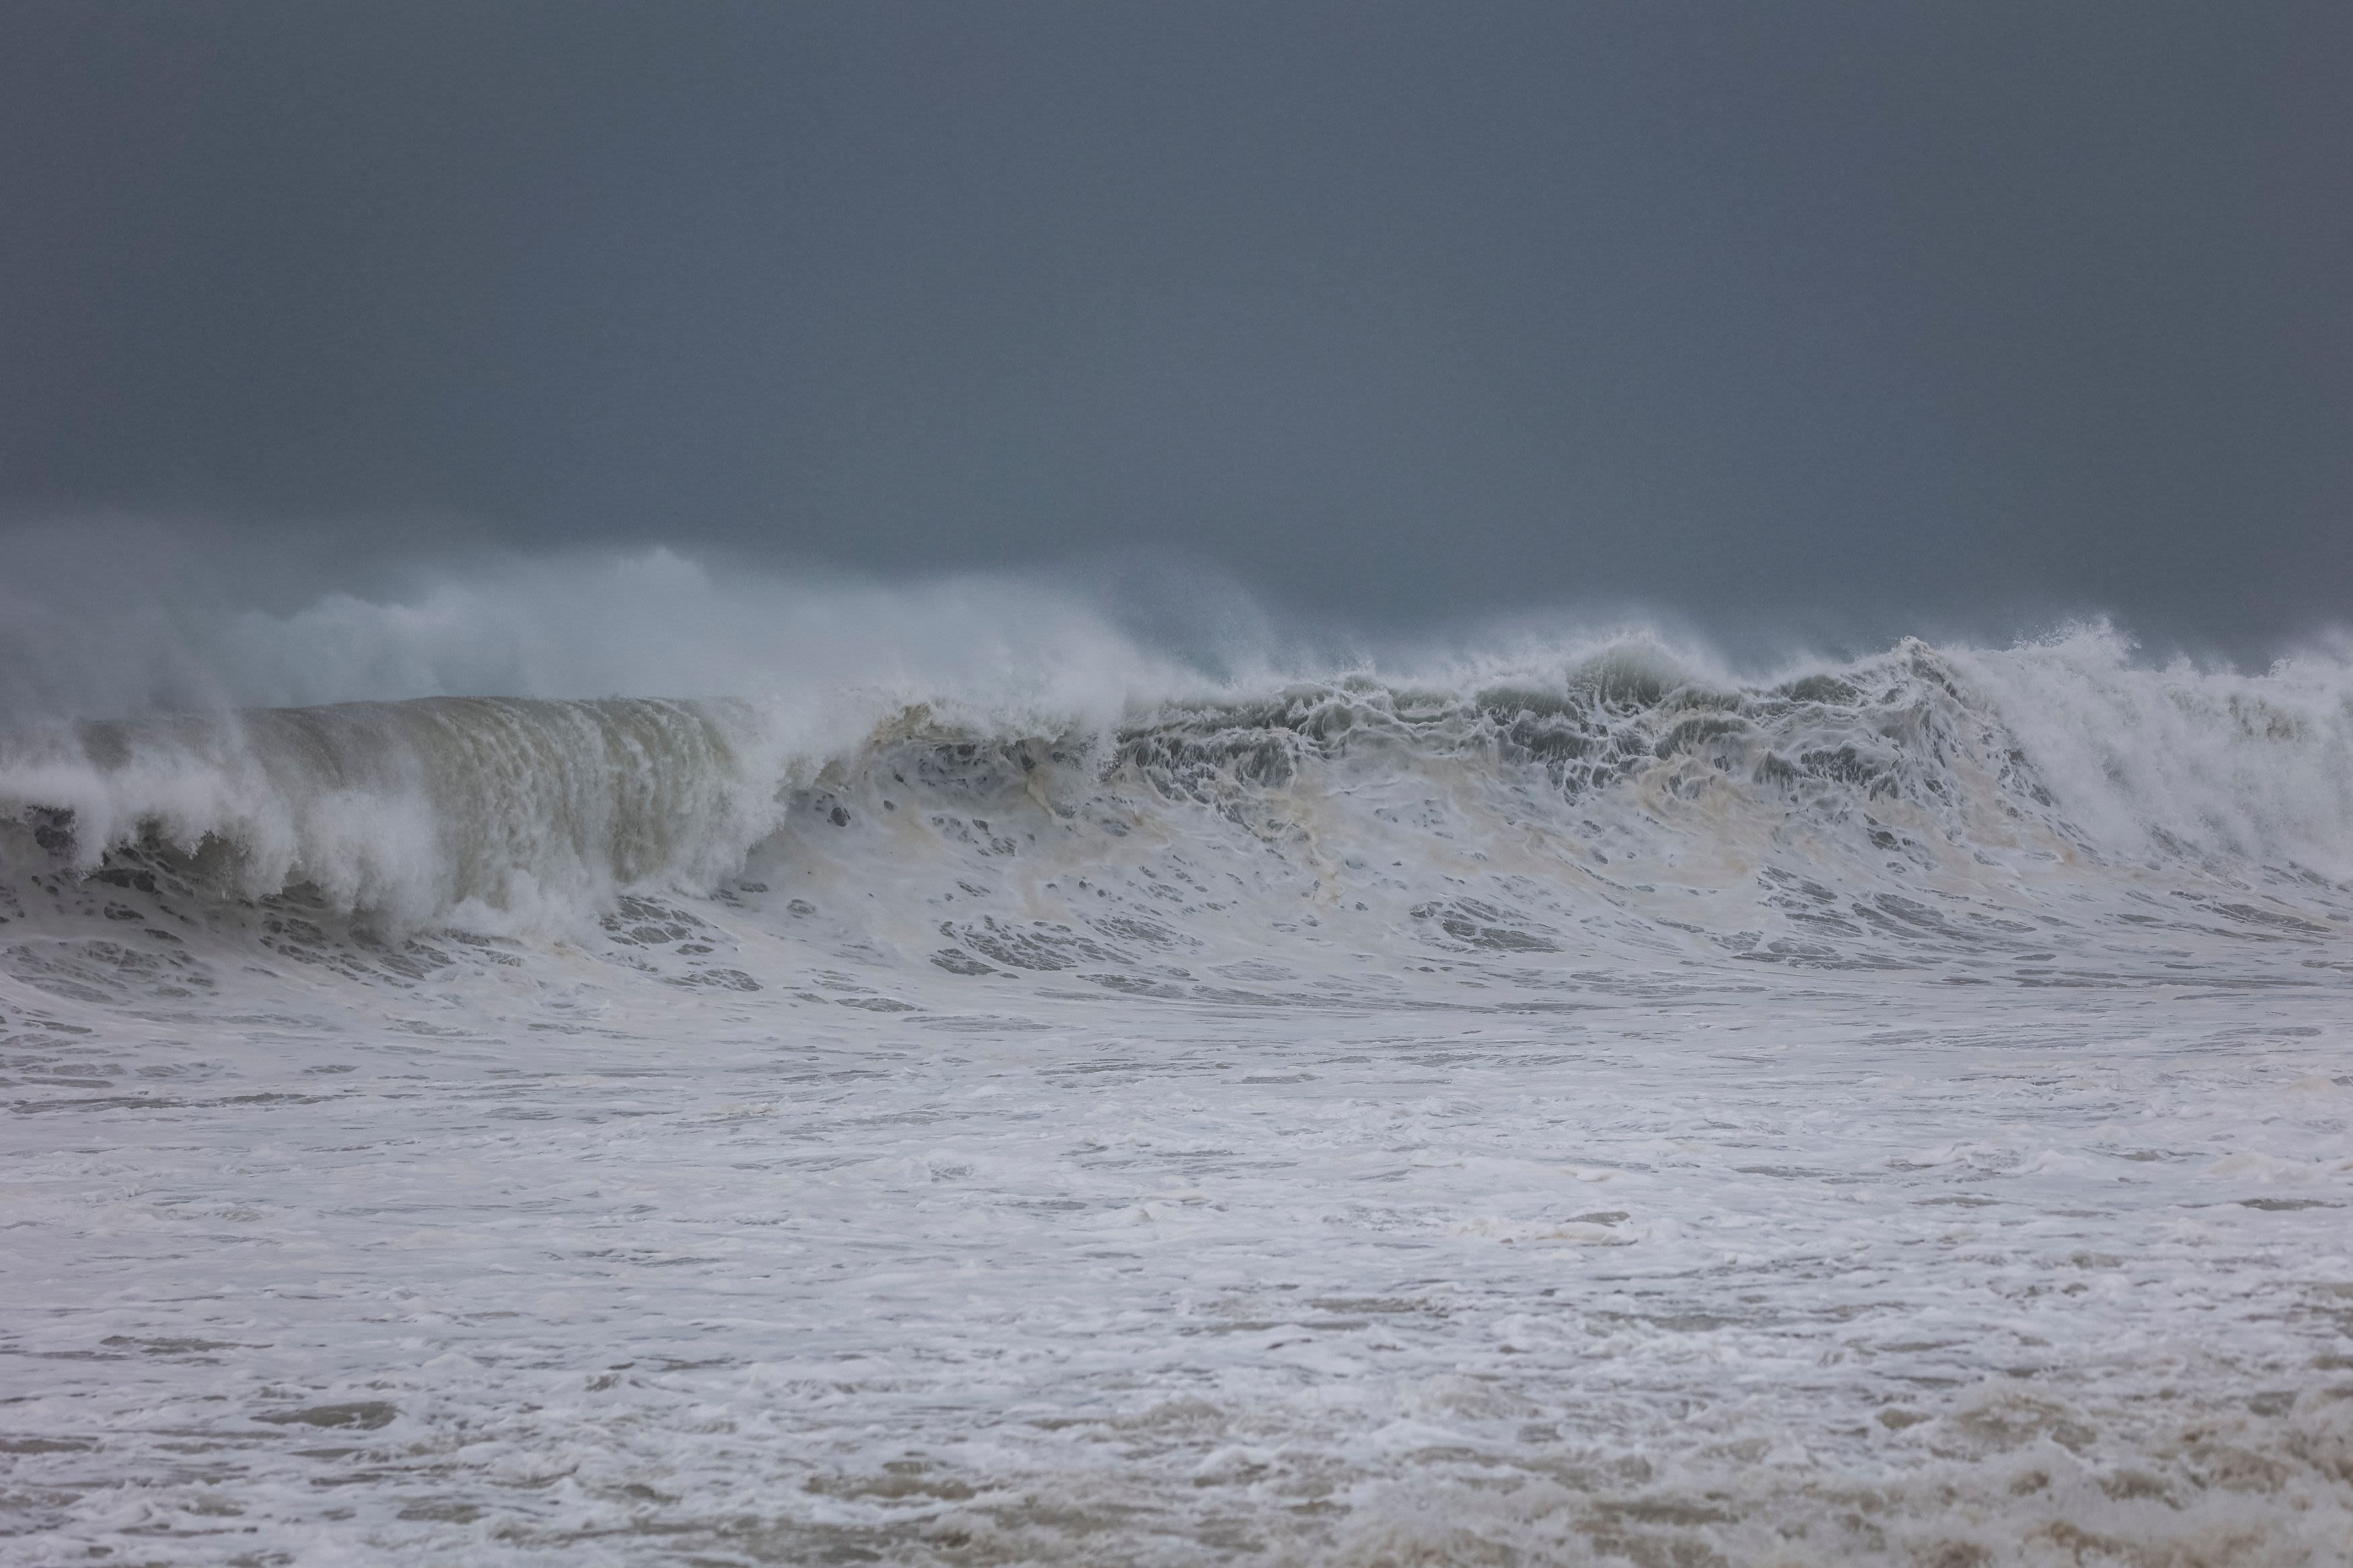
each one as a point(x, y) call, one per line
point(1850, 315)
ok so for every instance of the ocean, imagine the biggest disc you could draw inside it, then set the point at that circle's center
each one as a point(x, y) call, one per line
point(1579, 1107)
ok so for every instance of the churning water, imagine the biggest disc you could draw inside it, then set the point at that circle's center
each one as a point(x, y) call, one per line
point(1582, 1111)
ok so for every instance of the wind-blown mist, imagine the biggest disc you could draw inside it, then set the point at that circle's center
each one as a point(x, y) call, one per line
point(177, 627)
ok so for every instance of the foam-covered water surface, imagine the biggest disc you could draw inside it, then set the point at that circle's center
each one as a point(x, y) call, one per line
point(1584, 1111)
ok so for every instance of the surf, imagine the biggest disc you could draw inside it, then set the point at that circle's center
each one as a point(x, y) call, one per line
point(1922, 807)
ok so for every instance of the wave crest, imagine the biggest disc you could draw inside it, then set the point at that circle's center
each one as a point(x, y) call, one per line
point(1918, 772)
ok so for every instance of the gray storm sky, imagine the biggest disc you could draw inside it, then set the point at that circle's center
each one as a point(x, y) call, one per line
point(1847, 314)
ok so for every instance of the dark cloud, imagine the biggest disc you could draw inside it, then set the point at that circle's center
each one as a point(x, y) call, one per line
point(1844, 315)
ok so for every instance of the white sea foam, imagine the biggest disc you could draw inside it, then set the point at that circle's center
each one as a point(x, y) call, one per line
point(1580, 1103)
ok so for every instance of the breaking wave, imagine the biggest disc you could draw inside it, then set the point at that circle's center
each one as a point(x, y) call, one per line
point(1575, 1102)
point(1921, 796)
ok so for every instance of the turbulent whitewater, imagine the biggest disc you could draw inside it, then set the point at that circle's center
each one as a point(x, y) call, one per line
point(1565, 1109)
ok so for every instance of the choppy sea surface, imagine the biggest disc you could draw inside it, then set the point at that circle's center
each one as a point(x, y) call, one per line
point(1902, 1113)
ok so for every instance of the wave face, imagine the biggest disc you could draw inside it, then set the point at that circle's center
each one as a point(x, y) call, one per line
point(410, 811)
point(1918, 807)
